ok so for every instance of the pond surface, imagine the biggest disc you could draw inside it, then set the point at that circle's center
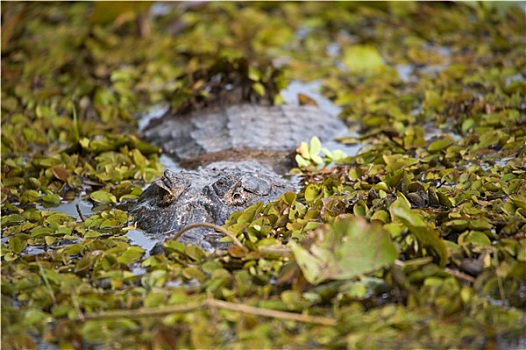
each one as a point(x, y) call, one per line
point(140, 238)
point(416, 241)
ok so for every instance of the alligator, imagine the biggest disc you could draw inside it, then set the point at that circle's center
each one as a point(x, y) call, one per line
point(233, 156)
point(268, 134)
point(209, 194)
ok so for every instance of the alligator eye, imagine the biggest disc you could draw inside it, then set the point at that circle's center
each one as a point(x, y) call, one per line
point(224, 185)
point(172, 186)
point(231, 191)
point(256, 185)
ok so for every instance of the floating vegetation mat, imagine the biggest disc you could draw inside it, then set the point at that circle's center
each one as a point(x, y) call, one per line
point(416, 241)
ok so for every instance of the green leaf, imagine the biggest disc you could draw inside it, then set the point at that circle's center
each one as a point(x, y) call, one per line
point(315, 146)
point(84, 142)
point(103, 197)
point(51, 199)
point(17, 244)
point(278, 100)
point(303, 150)
point(254, 74)
point(441, 144)
point(12, 219)
point(34, 316)
point(139, 159)
point(316, 159)
point(302, 163)
point(474, 237)
point(312, 192)
point(132, 254)
point(259, 89)
point(344, 250)
point(363, 59)
point(467, 125)
point(426, 235)
point(250, 213)
point(338, 155)
point(519, 201)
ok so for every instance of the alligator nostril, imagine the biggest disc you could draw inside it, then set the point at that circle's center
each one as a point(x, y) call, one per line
point(237, 198)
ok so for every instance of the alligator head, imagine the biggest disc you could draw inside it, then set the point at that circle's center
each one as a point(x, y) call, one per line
point(209, 194)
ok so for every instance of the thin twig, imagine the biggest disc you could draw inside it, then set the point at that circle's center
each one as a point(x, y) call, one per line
point(77, 307)
point(79, 212)
point(460, 275)
point(211, 303)
point(247, 309)
point(208, 225)
point(145, 312)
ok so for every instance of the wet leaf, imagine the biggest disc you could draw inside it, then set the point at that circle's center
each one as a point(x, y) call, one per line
point(12, 219)
point(315, 147)
point(103, 197)
point(259, 89)
point(425, 234)
point(254, 74)
point(441, 144)
point(312, 192)
point(17, 244)
point(348, 248)
point(305, 100)
point(130, 255)
point(408, 80)
point(34, 316)
point(363, 59)
point(51, 199)
point(519, 201)
point(474, 237)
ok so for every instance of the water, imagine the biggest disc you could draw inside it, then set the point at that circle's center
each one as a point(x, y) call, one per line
point(139, 238)
point(152, 113)
point(75, 208)
point(80, 206)
point(405, 72)
point(169, 163)
point(312, 90)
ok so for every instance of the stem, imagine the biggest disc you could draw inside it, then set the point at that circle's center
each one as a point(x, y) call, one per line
point(75, 123)
point(211, 303)
point(247, 309)
point(208, 225)
point(80, 213)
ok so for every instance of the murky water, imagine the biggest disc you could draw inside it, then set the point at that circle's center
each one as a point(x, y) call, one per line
point(74, 208)
point(154, 112)
point(139, 238)
point(80, 206)
point(312, 90)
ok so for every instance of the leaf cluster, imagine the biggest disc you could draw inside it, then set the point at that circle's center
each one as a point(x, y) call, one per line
point(417, 241)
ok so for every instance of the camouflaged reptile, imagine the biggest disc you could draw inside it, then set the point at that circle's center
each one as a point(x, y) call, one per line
point(234, 154)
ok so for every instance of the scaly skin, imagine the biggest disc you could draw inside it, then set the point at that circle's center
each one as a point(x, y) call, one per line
point(256, 137)
point(209, 194)
point(241, 132)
